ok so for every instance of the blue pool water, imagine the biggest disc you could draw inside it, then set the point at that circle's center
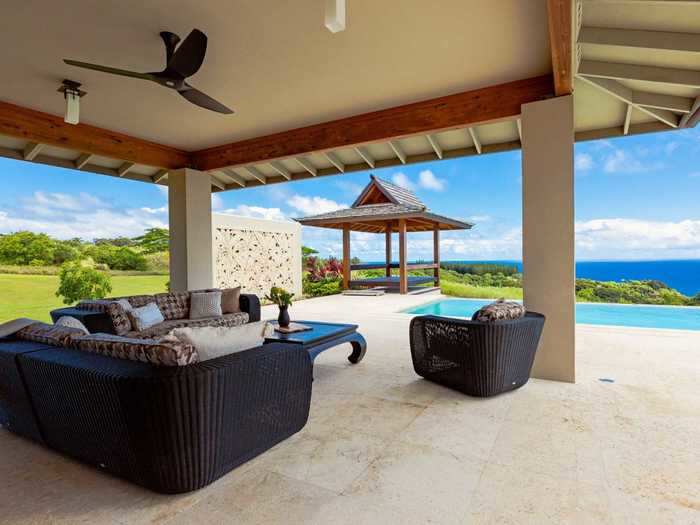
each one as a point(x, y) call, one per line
point(677, 318)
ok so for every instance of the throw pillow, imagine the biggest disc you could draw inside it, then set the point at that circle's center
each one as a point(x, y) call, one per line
point(145, 316)
point(212, 342)
point(167, 351)
point(206, 304)
point(71, 322)
point(231, 300)
point(12, 327)
point(49, 334)
point(126, 305)
point(501, 310)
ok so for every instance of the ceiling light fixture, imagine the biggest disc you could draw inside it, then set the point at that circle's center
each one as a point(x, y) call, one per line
point(72, 93)
point(335, 15)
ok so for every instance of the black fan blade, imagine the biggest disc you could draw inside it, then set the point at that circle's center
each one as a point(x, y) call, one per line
point(197, 97)
point(106, 69)
point(189, 55)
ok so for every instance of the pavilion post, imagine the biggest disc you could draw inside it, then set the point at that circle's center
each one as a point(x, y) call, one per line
point(191, 247)
point(403, 274)
point(548, 231)
point(436, 254)
point(389, 229)
point(346, 257)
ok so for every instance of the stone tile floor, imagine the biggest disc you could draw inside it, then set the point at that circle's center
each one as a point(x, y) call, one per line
point(384, 446)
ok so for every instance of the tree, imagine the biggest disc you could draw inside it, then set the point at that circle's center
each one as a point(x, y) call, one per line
point(154, 240)
point(117, 258)
point(26, 247)
point(306, 251)
point(82, 282)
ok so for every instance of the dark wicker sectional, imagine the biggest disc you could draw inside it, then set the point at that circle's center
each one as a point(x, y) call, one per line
point(170, 429)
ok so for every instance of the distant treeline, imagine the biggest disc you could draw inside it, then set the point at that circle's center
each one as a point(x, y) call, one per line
point(480, 268)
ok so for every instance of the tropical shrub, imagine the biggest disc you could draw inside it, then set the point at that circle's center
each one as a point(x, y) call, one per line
point(116, 257)
point(24, 247)
point(480, 268)
point(78, 281)
point(327, 286)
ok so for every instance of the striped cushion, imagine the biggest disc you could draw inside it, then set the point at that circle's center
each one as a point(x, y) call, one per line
point(207, 304)
point(167, 351)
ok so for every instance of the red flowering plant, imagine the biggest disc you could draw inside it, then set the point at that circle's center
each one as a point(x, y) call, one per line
point(321, 269)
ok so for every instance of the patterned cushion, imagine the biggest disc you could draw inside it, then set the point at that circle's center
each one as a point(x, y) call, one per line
point(231, 300)
point(501, 310)
point(168, 351)
point(207, 304)
point(174, 305)
point(72, 322)
point(145, 316)
point(120, 318)
point(165, 327)
point(48, 334)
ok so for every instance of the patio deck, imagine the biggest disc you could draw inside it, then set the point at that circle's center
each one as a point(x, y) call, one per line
point(384, 446)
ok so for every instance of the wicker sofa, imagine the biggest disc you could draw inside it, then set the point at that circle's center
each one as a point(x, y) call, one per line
point(474, 357)
point(171, 429)
point(98, 318)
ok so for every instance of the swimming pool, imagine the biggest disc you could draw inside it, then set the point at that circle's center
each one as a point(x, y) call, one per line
point(673, 317)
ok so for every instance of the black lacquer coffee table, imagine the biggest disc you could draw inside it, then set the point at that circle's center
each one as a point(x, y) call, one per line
point(323, 336)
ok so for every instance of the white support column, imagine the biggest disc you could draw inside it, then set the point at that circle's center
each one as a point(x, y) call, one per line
point(191, 253)
point(548, 231)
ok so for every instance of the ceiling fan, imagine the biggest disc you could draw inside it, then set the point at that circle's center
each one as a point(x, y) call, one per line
point(182, 62)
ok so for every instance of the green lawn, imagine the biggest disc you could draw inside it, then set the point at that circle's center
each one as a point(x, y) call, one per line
point(33, 295)
point(480, 292)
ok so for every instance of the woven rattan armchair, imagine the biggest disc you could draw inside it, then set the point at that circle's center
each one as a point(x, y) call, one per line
point(477, 358)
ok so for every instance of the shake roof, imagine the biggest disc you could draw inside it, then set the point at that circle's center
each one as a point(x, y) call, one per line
point(380, 203)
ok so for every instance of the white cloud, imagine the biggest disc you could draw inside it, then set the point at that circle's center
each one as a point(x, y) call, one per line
point(583, 162)
point(400, 179)
point(479, 218)
point(256, 212)
point(428, 180)
point(216, 201)
point(65, 216)
point(351, 188)
point(633, 238)
point(621, 161)
point(314, 205)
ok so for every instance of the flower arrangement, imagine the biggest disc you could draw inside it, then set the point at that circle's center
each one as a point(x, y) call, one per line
point(280, 297)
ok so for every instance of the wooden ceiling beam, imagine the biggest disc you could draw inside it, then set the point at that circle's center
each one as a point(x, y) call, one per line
point(43, 128)
point(457, 111)
point(561, 44)
point(619, 71)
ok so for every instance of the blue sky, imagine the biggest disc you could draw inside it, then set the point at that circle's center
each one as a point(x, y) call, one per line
point(636, 198)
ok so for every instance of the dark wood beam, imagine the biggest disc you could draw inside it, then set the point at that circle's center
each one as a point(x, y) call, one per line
point(403, 274)
point(439, 114)
point(346, 257)
point(560, 43)
point(43, 128)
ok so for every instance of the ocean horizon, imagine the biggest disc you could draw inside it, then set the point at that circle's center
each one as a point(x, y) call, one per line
point(681, 274)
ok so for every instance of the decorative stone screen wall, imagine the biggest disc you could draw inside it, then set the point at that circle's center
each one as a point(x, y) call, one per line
point(256, 254)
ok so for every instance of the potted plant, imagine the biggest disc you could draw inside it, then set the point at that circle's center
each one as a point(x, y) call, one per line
point(283, 299)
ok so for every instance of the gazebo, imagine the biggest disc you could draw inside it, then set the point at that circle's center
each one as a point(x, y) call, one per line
point(383, 207)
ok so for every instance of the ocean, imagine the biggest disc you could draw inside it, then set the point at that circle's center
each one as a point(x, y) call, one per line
point(683, 275)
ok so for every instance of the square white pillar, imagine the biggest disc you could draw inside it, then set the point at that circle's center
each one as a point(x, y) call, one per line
point(191, 253)
point(549, 282)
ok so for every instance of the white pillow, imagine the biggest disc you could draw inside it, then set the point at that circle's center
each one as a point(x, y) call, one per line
point(71, 322)
point(11, 327)
point(216, 341)
point(126, 305)
point(145, 316)
point(205, 304)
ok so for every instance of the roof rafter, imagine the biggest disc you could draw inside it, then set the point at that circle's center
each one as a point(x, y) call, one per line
point(279, 168)
point(433, 141)
point(475, 139)
point(125, 168)
point(626, 95)
point(256, 174)
point(628, 119)
point(335, 160)
point(306, 164)
point(640, 39)
point(619, 71)
point(83, 160)
point(398, 150)
point(364, 153)
point(235, 177)
point(32, 150)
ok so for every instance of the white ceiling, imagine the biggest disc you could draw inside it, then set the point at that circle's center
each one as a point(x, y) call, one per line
point(272, 61)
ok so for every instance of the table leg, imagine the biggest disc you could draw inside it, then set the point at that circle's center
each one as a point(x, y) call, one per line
point(359, 347)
